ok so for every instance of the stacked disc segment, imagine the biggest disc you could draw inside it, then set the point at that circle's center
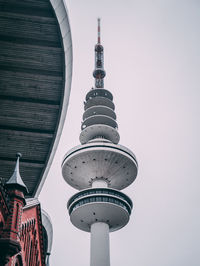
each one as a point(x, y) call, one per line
point(99, 118)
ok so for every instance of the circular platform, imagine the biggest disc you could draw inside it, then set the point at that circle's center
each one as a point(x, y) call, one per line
point(99, 92)
point(98, 100)
point(99, 205)
point(99, 120)
point(113, 163)
point(99, 110)
point(99, 130)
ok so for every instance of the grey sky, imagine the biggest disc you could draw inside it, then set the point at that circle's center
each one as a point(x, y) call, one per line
point(152, 61)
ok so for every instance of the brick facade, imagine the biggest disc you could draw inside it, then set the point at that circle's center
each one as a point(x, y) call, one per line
point(21, 234)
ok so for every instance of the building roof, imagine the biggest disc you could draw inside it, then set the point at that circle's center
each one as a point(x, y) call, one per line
point(35, 81)
point(16, 179)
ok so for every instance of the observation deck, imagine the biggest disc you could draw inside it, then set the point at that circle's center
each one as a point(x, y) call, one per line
point(99, 205)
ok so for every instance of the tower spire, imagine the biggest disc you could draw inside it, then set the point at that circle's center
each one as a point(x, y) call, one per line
point(99, 72)
point(99, 31)
point(16, 179)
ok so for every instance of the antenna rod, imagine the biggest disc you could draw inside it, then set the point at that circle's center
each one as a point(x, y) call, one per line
point(99, 31)
point(99, 72)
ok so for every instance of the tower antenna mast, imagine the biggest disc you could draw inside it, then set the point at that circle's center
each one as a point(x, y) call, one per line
point(99, 31)
point(99, 72)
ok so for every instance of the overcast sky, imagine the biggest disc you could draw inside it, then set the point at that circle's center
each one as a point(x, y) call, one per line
point(152, 62)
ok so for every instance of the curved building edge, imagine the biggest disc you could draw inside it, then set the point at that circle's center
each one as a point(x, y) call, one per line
point(61, 13)
point(46, 222)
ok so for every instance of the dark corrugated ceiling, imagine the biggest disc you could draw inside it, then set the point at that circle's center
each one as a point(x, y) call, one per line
point(31, 86)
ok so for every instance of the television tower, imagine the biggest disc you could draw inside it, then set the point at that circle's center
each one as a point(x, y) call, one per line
point(99, 168)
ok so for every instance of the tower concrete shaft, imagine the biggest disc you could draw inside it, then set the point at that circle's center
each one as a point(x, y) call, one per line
point(100, 250)
point(99, 168)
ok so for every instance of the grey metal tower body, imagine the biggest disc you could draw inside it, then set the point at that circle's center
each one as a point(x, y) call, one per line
point(99, 168)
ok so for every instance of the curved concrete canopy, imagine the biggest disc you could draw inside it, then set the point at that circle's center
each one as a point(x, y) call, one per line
point(35, 81)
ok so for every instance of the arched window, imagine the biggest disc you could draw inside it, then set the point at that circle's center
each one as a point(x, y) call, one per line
point(31, 254)
point(16, 215)
point(27, 249)
point(18, 261)
point(1, 224)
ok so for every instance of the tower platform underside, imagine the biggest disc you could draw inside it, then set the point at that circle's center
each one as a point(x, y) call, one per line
point(114, 215)
point(115, 164)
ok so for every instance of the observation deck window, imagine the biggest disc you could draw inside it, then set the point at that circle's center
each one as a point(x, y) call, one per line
point(100, 191)
point(100, 199)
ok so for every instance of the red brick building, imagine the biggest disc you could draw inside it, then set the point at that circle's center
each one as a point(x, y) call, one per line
point(23, 236)
point(35, 82)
